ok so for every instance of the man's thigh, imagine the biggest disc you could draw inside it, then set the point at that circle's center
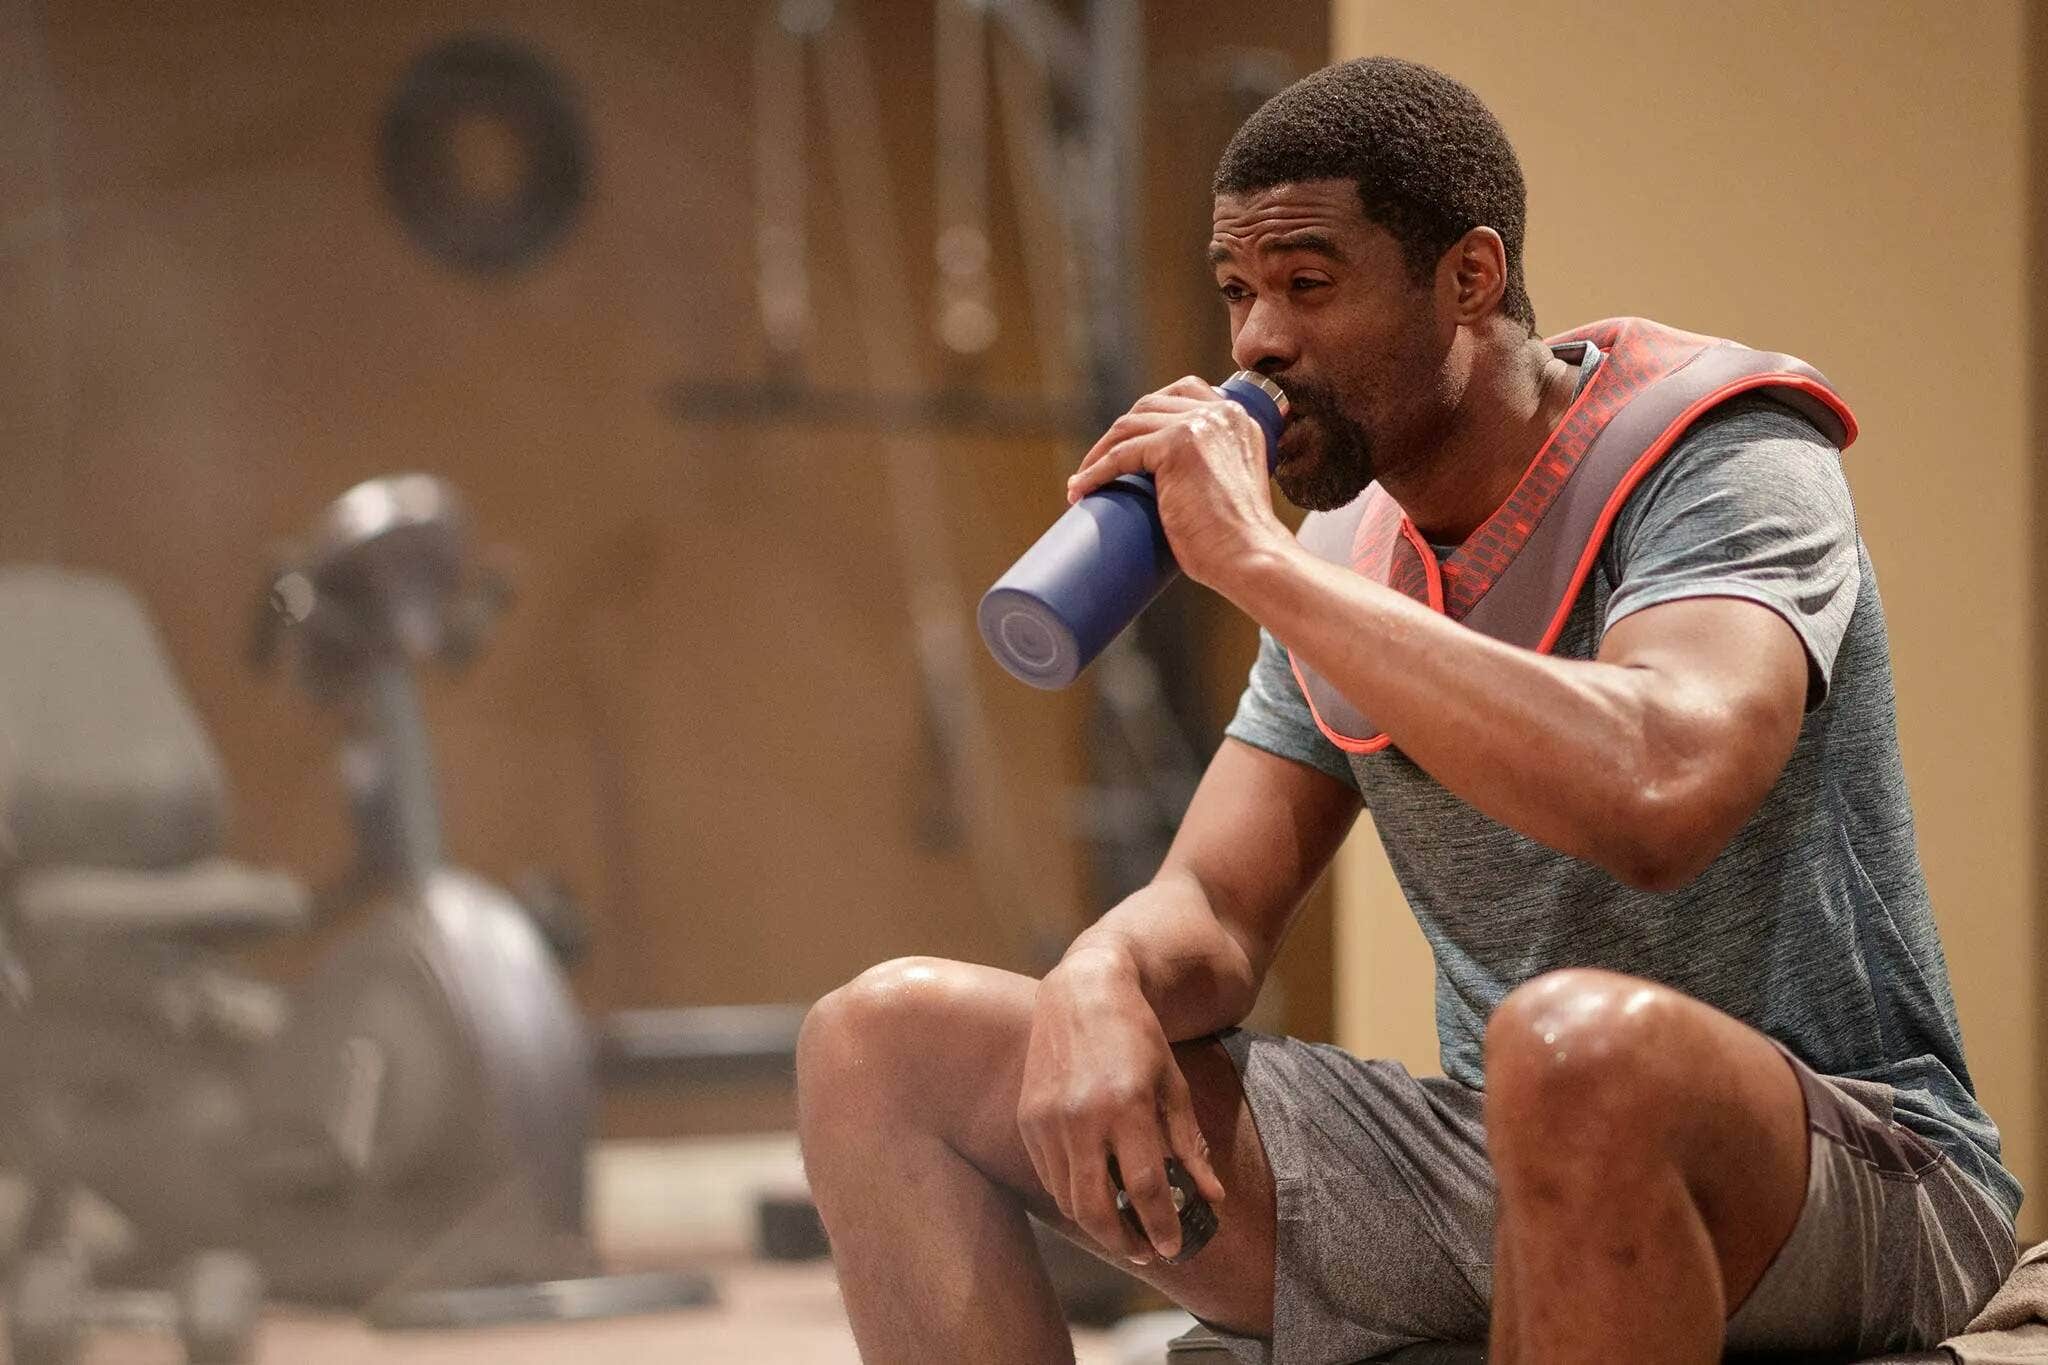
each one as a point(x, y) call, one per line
point(1837, 1228)
point(964, 1029)
point(1895, 1249)
point(1383, 1202)
point(1596, 1080)
point(1385, 1209)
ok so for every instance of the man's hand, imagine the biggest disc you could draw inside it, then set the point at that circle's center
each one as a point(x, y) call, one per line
point(1100, 1080)
point(1208, 459)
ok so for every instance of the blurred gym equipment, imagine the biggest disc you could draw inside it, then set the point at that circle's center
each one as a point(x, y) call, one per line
point(1068, 97)
point(405, 1126)
point(506, 85)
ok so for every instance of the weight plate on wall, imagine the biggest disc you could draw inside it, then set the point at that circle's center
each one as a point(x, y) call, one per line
point(498, 81)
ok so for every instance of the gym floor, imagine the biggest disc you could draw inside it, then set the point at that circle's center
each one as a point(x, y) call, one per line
point(666, 1206)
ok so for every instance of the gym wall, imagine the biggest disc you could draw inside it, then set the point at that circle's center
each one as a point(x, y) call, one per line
point(703, 710)
point(1851, 183)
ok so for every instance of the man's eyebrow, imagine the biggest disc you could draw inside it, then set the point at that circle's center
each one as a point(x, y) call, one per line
point(1307, 239)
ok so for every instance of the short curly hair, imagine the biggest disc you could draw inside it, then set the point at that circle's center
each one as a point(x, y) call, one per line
point(1430, 160)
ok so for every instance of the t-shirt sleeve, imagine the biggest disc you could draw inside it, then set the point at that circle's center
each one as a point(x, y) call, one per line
point(1751, 503)
point(1274, 716)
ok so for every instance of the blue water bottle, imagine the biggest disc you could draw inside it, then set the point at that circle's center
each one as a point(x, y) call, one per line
point(1099, 566)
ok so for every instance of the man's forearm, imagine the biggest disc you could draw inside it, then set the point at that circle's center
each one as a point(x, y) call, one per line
point(1596, 760)
point(1195, 974)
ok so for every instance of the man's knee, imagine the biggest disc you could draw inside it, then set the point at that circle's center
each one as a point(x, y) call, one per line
point(865, 1030)
point(1582, 1059)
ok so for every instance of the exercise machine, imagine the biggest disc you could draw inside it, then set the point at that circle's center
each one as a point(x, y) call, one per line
point(403, 1132)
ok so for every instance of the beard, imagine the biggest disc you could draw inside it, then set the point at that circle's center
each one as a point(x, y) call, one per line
point(1337, 465)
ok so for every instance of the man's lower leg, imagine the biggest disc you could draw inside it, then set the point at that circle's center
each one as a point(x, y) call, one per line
point(1604, 1265)
point(935, 1260)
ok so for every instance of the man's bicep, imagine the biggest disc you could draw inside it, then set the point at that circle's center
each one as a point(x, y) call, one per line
point(1751, 505)
point(1730, 680)
point(1260, 830)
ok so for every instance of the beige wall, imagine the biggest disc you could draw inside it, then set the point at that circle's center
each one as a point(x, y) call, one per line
point(1847, 182)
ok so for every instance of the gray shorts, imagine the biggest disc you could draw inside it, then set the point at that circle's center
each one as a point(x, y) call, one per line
point(1384, 1200)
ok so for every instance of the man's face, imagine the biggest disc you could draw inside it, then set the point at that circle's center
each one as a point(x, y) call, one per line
point(1321, 302)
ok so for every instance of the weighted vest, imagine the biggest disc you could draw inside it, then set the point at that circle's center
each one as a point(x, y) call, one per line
point(1517, 576)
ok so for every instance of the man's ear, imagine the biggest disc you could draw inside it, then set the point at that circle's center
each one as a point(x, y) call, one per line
point(1472, 276)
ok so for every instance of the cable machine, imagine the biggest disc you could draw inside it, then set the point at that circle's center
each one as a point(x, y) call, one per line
point(1068, 96)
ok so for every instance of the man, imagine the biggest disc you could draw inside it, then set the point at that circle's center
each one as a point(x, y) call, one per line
point(1704, 1080)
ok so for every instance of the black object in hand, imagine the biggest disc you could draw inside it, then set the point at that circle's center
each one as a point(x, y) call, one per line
point(1197, 1219)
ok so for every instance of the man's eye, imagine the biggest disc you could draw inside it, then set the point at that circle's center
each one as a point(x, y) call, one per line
point(1302, 282)
point(1233, 292)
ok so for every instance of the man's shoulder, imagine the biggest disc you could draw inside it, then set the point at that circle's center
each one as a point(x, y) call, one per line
point(1748, 419)
point(1754, 447)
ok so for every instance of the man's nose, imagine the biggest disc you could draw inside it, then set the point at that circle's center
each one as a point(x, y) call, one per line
point(1263, 343)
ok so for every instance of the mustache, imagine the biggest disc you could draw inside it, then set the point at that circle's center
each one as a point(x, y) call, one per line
point(1307, 395)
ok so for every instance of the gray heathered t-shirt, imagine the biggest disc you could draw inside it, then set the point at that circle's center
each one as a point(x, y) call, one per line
point(1813, 926)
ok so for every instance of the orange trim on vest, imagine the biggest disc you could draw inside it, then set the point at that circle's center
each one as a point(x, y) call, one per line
point(1330, 732)
point(1432, 570)
point(1434, 580)
point(1649, 460)
point(1543, 452)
